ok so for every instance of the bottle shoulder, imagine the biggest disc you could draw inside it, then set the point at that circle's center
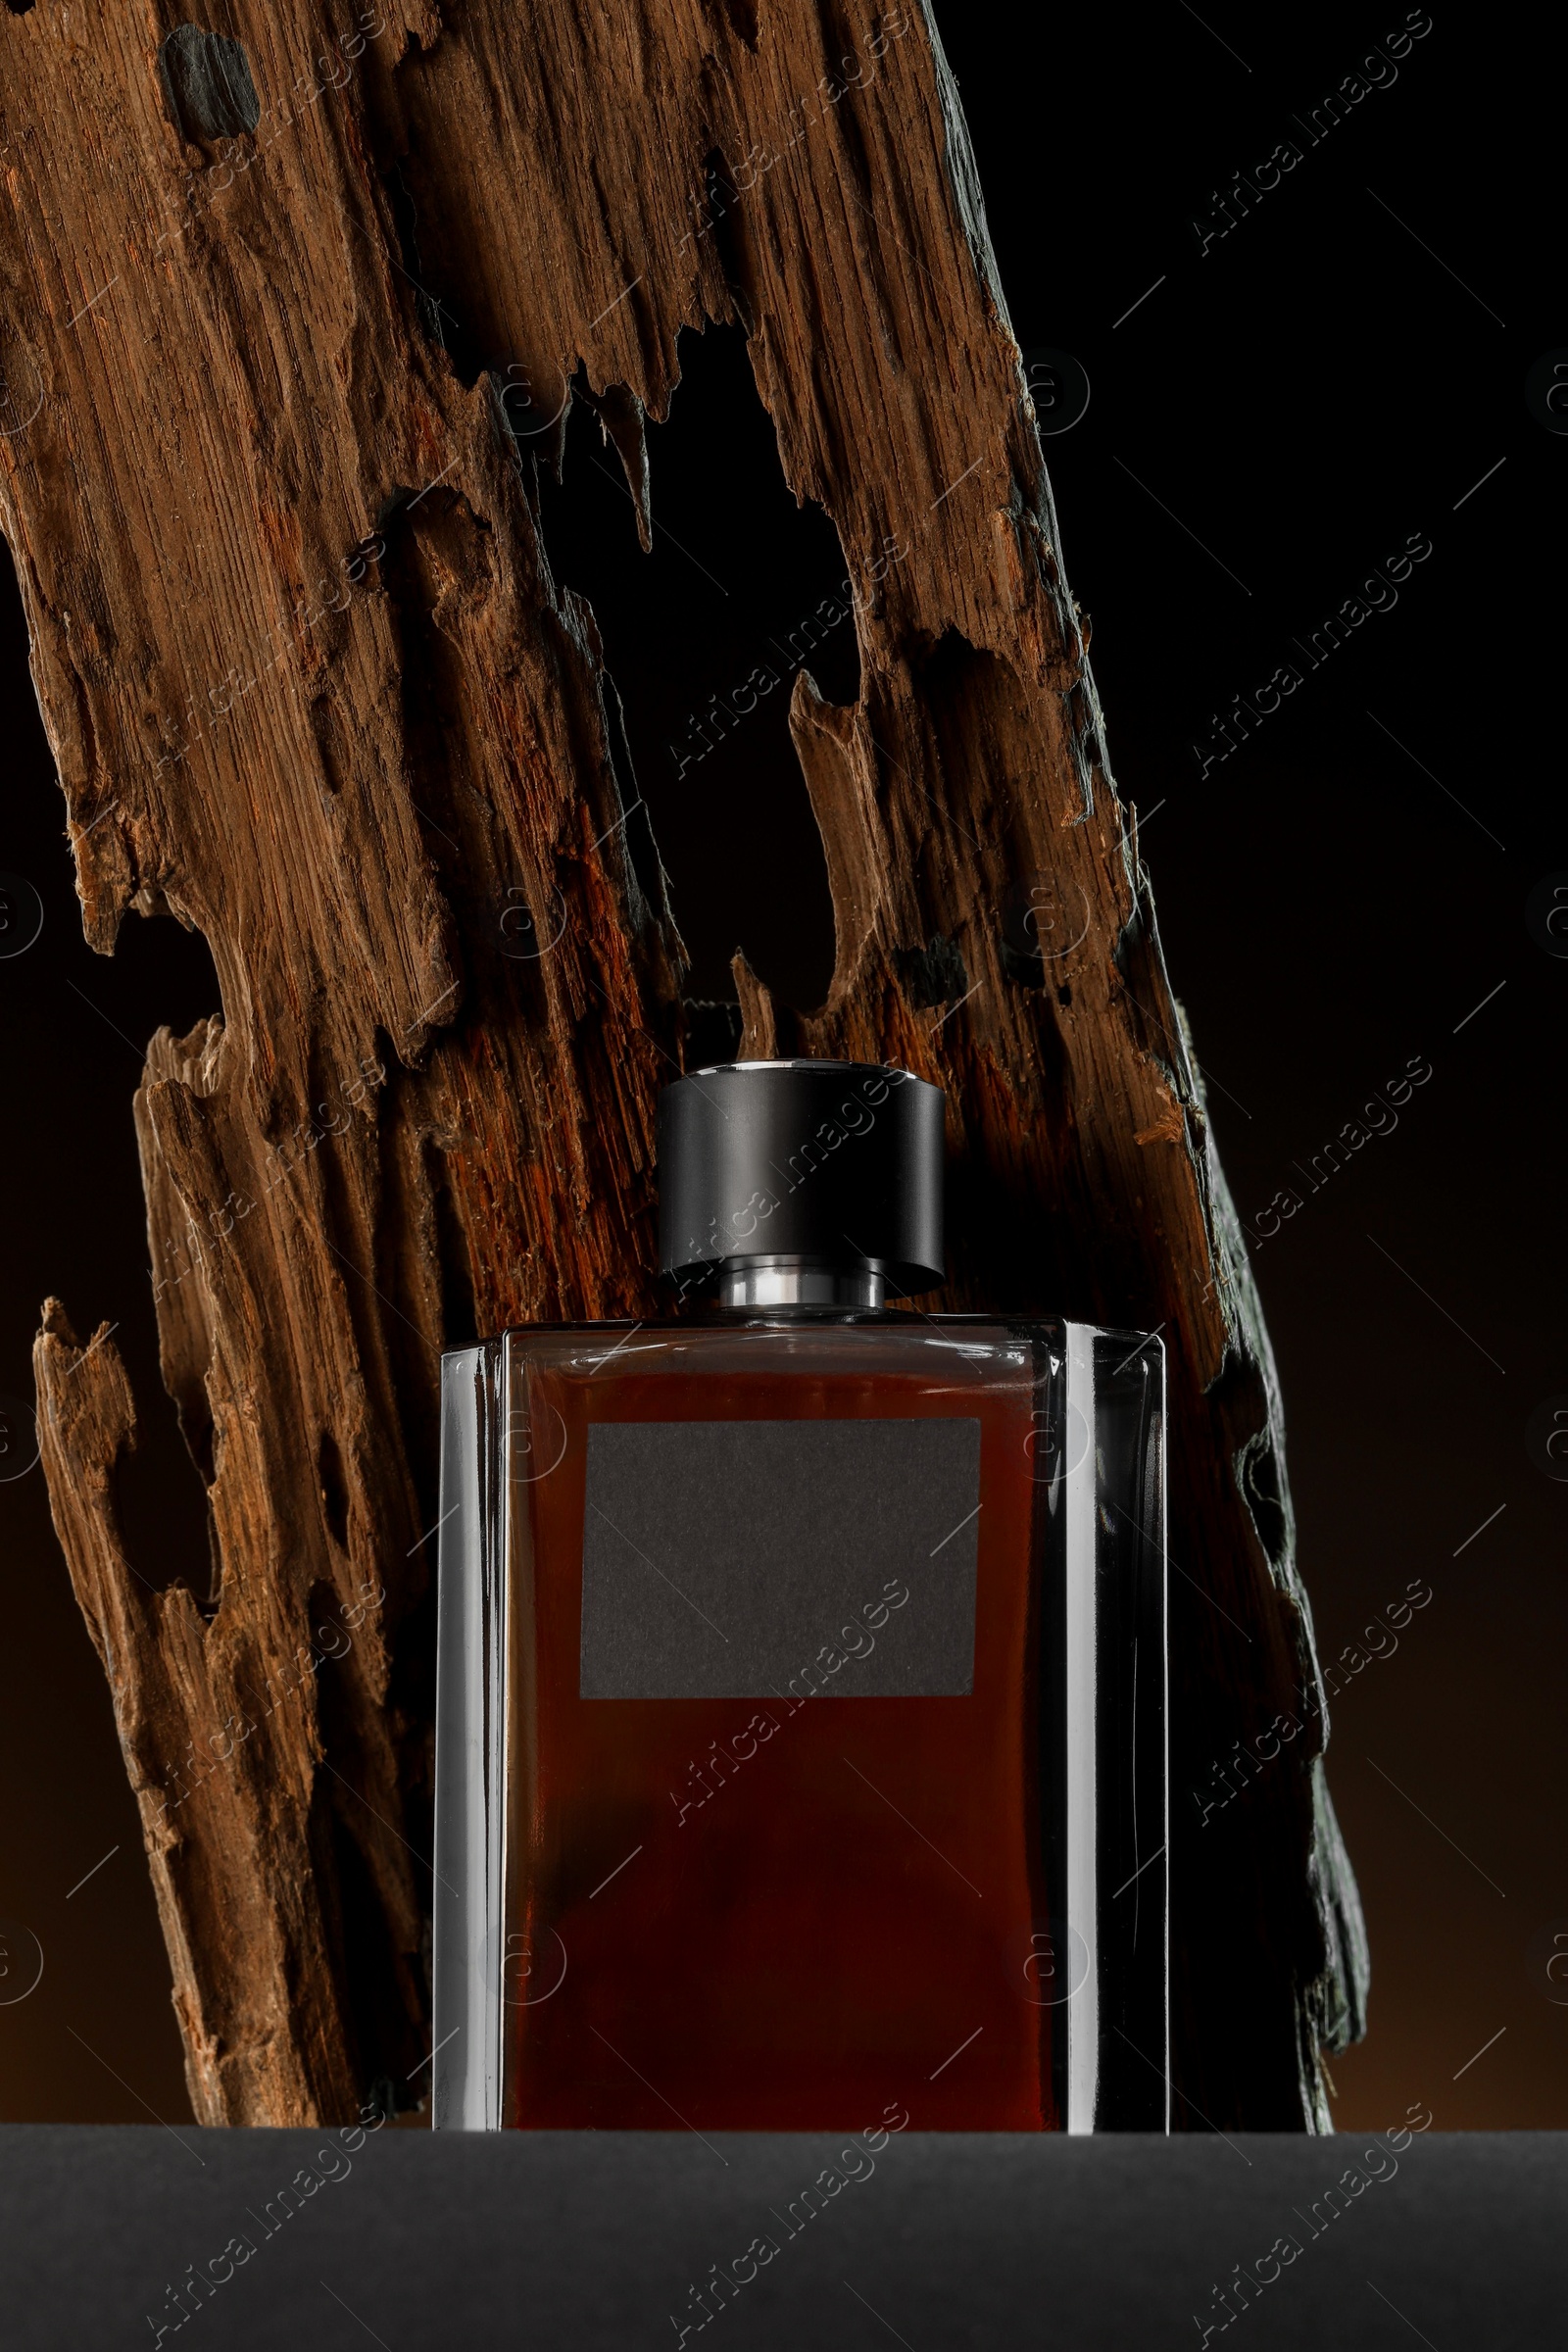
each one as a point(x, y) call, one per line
point(890, 1318)
point(745, 1324)
point(887, 1341)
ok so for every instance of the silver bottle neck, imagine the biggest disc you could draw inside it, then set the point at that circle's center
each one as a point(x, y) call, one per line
point(831, 1285)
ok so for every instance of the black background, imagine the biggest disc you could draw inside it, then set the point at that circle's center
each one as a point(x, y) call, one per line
point(1269, 421)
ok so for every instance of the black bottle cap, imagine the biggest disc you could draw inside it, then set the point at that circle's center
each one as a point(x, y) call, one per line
point(839, 1163)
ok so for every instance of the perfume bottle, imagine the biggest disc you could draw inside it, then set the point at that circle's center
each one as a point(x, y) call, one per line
point(801, 1714)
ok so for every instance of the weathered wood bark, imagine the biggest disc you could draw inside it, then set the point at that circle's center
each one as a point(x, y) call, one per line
point(385, 787)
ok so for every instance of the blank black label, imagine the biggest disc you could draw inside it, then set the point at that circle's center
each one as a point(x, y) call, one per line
point(734, 1559)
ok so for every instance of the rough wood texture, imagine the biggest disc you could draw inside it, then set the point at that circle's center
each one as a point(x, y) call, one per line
point(383, 784)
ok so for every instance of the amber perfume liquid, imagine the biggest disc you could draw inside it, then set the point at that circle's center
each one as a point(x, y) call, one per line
point(801, 1735)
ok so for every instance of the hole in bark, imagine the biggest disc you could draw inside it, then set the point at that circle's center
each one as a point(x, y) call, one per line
point(70, 1059)
point(935, 974)
point(712, 1032)
point(209, 92)
point(704, 637)
point(166, 1524)
point(739, 14)
point(377, 1985)
point(20, 8)
point(335, 1493)
point(436, 322)
point(720, 195)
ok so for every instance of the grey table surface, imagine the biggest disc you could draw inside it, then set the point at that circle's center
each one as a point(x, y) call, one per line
point(413, 2239)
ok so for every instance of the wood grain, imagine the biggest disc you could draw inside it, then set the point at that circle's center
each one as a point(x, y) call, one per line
point(270, 483)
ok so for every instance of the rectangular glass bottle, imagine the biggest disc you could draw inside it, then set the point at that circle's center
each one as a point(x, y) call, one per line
point(801, 1710)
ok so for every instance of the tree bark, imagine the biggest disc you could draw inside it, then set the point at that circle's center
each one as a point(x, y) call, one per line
point(312, 688)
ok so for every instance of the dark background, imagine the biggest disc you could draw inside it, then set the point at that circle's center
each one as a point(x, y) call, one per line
point(1276, 418)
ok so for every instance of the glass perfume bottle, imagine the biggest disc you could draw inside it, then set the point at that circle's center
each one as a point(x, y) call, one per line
point(800, 1716)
